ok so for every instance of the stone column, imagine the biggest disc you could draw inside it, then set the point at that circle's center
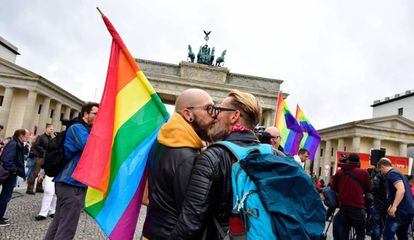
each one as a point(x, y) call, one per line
point(326, 168)
point(66, 116)
point(317, 160)
point(341, 144)
point(44, 115)
point(403, 149)
point(376, 143)
point(30, 111)
point(5, 109)
point(269, 118)
point(56, 115)
point(356, 144)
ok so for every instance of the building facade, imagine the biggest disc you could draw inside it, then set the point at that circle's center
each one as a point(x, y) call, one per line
point(400, 104)
point(394, 133)
point(169, 80)
point(27, 100)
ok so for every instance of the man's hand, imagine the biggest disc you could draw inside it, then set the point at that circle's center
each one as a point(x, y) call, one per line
point(392, 210)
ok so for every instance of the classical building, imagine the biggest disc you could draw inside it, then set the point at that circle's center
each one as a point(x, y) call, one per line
point(169, 80)
point(401, 104)
point(27, 100)
point(30, 101)
point(392, 133)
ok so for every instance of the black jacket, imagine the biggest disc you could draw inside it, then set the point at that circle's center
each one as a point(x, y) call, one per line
point(209, 194)
point(169, 171)
point(13, 158)
point(40, 145)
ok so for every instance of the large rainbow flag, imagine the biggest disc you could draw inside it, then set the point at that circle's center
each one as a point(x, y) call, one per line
point(289, 128)
point(114, 160)
point(311, 138)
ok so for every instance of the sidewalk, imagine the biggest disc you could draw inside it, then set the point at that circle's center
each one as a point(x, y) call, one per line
point(23, 208)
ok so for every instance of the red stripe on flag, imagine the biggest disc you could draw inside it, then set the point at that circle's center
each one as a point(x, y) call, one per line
point(99, 144)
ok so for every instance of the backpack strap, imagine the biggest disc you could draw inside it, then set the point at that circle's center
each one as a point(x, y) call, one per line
point(349, 173)
point(242, 152)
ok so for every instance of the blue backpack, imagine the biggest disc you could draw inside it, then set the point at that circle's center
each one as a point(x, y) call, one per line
point(270, 211)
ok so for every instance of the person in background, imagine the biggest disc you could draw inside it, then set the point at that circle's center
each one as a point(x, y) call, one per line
point(71, 193)
point(400, 198)
point(351, 183)
point(39, 150)
point(13, 161)
point(271, 136)
point(302, 156)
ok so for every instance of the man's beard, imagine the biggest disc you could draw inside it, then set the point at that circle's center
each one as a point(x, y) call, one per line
point(218, 132)
point(202, 131)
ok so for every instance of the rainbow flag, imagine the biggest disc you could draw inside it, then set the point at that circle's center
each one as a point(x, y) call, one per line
point(114, 160)
point(289, 128)
point(311, 138)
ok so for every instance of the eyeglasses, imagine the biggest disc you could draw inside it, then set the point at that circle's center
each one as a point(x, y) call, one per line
point(209, 108)
point(214, 110)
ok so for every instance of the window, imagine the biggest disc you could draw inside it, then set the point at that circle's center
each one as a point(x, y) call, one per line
point(344, 148)
point(400, 111)
point(321, 152)
point(51, 113)
point(61, 116)
point(40, 109)
point(1, 100)
point(331, 152)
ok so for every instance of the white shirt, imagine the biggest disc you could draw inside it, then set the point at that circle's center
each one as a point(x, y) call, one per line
point(297, 159)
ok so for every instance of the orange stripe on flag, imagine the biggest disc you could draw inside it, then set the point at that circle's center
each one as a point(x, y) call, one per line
point(125, 73)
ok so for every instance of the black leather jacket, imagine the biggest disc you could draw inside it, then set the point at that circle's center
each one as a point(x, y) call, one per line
point(209, 194)
point(169, 171)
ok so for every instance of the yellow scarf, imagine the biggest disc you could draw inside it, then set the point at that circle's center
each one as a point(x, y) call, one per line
point(178, 133)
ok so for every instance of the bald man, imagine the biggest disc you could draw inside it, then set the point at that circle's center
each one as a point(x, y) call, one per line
point(172, 158)
point(275, 140)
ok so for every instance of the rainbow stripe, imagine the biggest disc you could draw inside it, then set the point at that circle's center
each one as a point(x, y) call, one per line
point(114, 159)
point(289, 128)
point(311, 138)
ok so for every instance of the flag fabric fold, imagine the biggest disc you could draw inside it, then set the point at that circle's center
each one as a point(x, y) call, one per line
point(113, 163)
point(311, 138)
point(290, 130)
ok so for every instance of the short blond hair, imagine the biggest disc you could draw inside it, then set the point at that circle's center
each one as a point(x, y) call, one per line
point(248, 105)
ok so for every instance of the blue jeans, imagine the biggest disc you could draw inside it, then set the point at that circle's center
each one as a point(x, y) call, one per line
point(30, 166)
point(378, 217)
point(398, 225)
point(6, 193)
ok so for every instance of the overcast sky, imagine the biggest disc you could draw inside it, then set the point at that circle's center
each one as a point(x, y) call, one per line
point(335, 57)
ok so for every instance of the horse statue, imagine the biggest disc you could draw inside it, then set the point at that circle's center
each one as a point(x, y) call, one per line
point(199, 55)
point(220, 59)
point(191, 55)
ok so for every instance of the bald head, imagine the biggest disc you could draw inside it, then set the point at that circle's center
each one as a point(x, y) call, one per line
point(191, 98)
point(275, 133)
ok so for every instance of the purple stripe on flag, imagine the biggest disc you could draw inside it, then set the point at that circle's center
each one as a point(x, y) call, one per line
point(127, 223)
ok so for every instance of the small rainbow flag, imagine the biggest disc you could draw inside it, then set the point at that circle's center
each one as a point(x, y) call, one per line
point(114, 160)
point(289, 128)
point(311, 138)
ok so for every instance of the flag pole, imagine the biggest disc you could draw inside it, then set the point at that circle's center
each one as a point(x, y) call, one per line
point(99, 10)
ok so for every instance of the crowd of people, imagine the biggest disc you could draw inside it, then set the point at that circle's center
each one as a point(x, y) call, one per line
point(190, 189)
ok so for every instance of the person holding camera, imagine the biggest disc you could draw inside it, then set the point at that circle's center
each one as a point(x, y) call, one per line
point(351, 183)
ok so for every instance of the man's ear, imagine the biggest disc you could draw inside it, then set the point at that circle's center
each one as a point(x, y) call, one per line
point(235, 117)
point(187, 115)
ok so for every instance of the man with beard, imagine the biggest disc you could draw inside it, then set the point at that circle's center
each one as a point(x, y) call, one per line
point(172, 158)
point(208, 202)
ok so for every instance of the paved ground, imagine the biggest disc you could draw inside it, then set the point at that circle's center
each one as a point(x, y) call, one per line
point(23, 208)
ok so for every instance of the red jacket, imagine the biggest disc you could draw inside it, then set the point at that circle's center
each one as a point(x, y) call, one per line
point(350, 191)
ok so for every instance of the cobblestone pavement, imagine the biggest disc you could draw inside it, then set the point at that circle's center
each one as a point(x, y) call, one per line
point(23, 208)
